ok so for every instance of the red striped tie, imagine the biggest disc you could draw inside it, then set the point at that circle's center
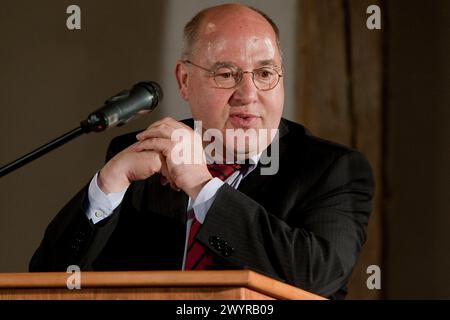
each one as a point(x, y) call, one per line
point(197, 258)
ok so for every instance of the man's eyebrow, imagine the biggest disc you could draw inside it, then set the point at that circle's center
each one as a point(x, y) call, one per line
point(268, 62)
point(219, 64)
point(259, 64)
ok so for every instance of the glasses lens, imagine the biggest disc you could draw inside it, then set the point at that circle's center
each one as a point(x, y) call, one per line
point(226, 77)
point(266, 78)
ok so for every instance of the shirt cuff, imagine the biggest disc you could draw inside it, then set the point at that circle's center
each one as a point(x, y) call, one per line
point(206, 198)
point(101, 205)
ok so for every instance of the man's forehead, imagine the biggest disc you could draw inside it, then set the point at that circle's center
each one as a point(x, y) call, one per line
point(258, 63)
point(215, 36)
point(210, 27)
point(260, 50)
point(232, 17)
point(232, 12)
point(238, 34)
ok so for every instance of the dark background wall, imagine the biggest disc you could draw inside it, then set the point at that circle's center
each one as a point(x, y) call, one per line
point(417, 202)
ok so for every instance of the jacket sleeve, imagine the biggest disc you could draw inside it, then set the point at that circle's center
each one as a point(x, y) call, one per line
point(316, 248)
point(71, 239)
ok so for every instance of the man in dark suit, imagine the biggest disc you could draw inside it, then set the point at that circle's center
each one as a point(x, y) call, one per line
point(303, 224)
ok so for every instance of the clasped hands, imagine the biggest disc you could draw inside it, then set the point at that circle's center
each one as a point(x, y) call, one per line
point(153, 153)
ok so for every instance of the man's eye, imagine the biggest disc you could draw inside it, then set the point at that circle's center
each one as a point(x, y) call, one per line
point(265, 73)
point(224, 75)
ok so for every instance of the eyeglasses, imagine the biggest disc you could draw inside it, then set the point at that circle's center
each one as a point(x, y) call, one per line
point(228, 77)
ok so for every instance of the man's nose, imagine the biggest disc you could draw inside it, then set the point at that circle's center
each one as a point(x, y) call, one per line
point(245, 92)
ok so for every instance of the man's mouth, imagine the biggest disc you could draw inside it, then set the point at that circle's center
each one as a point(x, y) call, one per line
point(242, 119)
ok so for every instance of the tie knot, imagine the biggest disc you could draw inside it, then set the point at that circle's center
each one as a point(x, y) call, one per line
point(223, 171)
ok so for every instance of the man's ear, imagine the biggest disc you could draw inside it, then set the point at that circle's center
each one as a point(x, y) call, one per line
point(182, 75)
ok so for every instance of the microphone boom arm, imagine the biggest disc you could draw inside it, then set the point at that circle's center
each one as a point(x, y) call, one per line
point(123, 107)
point(39, 152)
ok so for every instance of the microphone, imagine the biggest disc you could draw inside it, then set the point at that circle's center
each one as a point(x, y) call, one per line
point(142, 98)
point(125, 106)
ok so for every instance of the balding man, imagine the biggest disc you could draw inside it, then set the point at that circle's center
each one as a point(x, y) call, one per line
point(303, 223)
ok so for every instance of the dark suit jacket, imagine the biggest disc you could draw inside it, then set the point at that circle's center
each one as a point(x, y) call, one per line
point(304, 225)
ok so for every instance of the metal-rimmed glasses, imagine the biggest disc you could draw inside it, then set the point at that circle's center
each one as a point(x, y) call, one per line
point(227, 76)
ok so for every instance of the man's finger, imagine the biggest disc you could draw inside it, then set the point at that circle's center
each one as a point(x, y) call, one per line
point(158, 122)
point(161, 131)
point(164, 127)
point(166, 176)
point(167, 120)
point(155, 144)
point(164, 180)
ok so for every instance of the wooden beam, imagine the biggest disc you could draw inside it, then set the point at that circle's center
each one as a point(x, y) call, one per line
point(340, 91)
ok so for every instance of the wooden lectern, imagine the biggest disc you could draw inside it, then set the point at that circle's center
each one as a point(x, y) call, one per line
point(148, 285)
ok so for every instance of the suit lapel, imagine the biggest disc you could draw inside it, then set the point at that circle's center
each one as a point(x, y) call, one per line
point(255, 184)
